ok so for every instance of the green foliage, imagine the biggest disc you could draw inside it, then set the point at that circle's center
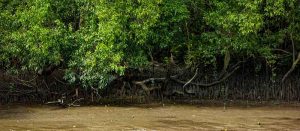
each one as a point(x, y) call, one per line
point(233, 25)
point(96, 40)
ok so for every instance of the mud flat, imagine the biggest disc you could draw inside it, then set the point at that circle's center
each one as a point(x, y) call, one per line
point(160, 117)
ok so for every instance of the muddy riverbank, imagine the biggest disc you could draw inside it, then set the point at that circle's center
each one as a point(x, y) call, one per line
point(151, 117)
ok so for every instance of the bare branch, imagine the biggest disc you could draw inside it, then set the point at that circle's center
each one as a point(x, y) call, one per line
point(187, 83)
point(292, 68)
point(209, 84)
point(281, 50)
point(24, 82)
point(61, 81)
point(145, 87)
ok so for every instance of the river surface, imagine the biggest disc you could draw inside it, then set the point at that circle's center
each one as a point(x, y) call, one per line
point(159, 117)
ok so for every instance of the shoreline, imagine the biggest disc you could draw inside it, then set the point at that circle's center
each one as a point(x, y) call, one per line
point(196, 103)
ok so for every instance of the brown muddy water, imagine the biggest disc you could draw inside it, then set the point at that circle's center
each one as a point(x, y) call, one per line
point(167, 117)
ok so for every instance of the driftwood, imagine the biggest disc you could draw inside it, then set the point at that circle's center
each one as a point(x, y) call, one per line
point(62, 103)
point(73, 103)
point(145, 87)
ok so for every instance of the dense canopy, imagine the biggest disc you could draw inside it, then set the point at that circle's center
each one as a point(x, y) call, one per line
point(93, 41)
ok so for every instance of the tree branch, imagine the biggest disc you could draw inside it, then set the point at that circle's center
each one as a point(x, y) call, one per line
point(145, 87)
point(291, 69)
point(23, 82)
point(187, 83)
point(281, 50)
point(209, 84)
